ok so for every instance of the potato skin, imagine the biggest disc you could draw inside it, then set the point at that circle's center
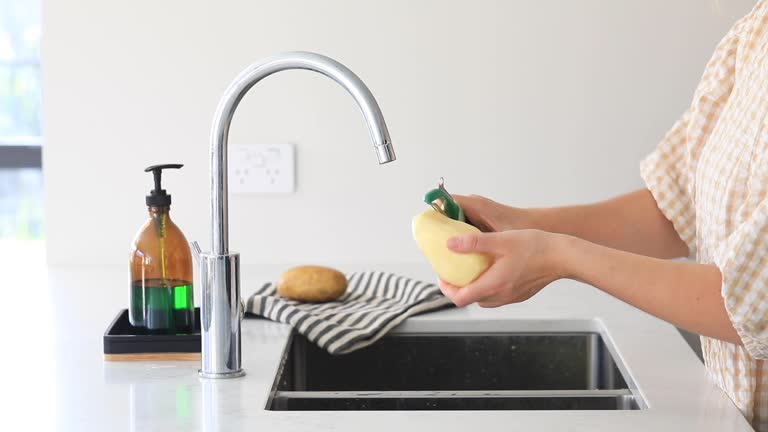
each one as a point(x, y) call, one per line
point(431, 231)
point(312, 284)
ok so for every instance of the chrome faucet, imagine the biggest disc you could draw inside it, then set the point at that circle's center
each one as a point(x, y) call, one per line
point(222, 308)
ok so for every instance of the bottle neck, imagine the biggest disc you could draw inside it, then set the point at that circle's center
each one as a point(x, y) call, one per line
point(158, 211)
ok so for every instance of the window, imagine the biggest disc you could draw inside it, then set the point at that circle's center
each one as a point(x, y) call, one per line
point(21, 185)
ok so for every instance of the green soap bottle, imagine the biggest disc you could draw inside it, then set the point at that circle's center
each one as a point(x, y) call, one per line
point(161, 268)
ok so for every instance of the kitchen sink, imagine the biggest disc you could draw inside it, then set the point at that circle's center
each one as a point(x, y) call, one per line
point(455, 371)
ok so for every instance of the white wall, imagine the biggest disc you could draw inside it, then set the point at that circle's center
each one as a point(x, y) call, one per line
point(530, 102)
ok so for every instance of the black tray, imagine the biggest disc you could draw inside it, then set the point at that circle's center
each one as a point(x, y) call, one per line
point(123, 338)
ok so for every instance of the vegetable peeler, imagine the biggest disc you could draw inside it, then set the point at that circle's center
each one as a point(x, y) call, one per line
point(443, 202)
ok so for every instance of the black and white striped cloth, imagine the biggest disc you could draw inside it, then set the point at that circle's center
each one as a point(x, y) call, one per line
point(374, 303)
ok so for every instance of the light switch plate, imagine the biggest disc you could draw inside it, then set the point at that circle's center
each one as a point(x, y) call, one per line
point(262, 169)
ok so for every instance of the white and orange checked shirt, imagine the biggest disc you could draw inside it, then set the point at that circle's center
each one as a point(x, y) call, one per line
point(709, 176)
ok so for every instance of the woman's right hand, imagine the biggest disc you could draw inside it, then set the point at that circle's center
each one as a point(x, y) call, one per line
point(489, 216)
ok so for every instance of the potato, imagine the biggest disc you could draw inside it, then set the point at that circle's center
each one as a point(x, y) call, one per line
point(313, 284)
point(431, 230)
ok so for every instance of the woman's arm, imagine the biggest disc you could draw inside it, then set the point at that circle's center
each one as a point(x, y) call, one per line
point(630, 222)
point(684, 294)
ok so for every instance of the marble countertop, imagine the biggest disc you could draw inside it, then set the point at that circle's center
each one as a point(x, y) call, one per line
point(55, 378)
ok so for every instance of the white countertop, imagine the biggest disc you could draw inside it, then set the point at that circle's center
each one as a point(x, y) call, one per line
point(55, 379)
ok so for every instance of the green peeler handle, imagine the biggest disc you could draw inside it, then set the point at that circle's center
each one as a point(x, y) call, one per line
point(450, 208)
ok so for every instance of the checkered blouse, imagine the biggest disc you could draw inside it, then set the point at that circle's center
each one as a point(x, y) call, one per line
point(709, 176)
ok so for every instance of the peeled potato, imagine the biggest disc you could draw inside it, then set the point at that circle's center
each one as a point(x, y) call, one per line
point(313, 284)
point(431, 230)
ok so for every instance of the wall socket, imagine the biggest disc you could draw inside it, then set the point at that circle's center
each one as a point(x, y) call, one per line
point(262, 169)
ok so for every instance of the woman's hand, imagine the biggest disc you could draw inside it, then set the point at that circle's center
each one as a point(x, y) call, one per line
point(489, 216)
point(524, 263)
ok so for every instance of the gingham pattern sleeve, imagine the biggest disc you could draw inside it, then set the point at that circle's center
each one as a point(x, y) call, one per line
point(669, 170)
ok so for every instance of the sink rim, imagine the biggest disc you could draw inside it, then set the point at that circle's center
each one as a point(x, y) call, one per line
point(618, 400)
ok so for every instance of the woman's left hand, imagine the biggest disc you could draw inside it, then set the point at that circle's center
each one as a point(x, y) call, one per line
point(523, 264)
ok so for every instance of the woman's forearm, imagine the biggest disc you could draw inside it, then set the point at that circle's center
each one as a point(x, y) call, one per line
point(630, 222)
point(684, 294)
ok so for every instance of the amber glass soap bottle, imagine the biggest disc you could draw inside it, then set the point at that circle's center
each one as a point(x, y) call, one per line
point(161, 268)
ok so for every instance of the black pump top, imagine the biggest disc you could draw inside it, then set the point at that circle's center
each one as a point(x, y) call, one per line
point(158, 197)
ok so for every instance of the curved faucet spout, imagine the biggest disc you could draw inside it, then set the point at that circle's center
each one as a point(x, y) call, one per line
point(222, 308)
point(234, 94)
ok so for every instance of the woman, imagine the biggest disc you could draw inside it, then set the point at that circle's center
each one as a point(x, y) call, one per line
point(706, 198)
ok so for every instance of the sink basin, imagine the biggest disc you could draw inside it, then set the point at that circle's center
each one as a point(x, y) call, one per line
point(455, 371)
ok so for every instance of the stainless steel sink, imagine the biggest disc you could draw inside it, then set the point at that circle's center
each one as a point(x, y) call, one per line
point(469, 371)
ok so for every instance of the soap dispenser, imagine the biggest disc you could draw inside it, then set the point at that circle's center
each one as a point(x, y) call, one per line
point(161, 268)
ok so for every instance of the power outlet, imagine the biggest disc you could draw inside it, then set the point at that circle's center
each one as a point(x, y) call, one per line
point(261, 169)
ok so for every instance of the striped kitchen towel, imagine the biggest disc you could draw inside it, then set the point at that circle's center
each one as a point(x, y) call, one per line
point(374, 303)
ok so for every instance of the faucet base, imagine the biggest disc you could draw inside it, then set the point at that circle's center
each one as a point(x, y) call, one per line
point(221, 312)
point(235, 374)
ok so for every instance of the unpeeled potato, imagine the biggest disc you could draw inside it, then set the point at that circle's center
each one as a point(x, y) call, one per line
point(313, 284)
point(431, 231)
